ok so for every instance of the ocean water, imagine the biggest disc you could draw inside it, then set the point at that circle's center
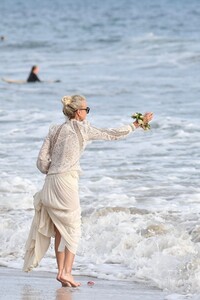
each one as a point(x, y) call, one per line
point(140, 197)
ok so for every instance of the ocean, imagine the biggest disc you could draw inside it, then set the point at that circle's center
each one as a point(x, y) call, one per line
point(140, 197)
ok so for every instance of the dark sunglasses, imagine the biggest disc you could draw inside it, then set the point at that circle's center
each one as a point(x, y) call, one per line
point(87, 109)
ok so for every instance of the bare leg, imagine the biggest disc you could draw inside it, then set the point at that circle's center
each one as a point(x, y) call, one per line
point(65, 262)
point(66, 276)
point(60, 256)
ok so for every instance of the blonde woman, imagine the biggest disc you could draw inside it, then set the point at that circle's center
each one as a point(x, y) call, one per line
point(57, 206)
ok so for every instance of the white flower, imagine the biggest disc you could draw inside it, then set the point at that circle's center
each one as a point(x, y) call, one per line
point(139, 118)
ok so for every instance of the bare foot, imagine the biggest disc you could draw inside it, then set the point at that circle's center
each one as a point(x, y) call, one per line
point(67, 278)
point(67, 284)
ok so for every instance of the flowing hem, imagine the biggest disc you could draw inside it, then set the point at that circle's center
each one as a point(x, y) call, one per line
point(51, 210)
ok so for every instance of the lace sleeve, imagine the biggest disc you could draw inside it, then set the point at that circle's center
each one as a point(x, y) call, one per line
point(94, 133)
point(44, 156)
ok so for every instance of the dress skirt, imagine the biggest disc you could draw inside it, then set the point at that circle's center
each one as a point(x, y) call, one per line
point(57, 204)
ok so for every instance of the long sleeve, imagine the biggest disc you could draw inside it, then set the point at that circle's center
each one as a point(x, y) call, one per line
point(64, 155)
point(44, 156)
point(43, 159)
point(93, 133)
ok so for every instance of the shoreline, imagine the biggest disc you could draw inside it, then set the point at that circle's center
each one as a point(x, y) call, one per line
point(40, 285)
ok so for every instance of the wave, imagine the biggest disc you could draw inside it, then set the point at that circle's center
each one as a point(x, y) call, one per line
point(154, 247)
point(158, 248)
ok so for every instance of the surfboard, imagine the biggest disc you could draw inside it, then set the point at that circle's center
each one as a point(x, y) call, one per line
point(13, 81)
point(24, 81)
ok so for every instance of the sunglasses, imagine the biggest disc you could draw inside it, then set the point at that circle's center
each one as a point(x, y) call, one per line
point(87, 109)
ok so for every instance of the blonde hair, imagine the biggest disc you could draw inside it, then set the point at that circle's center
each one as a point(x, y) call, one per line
point(71, 104)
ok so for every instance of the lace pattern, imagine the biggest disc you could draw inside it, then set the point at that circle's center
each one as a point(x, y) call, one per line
point(70, 144)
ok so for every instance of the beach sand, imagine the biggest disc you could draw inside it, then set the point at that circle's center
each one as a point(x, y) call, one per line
point(37, 285)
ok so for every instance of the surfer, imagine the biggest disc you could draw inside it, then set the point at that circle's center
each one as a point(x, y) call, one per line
point(33, 75)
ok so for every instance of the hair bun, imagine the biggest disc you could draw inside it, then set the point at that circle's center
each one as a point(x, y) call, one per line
point(66, 100)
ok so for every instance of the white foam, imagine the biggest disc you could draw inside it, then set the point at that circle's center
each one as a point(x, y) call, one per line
point(17, 193)
point(151, 248)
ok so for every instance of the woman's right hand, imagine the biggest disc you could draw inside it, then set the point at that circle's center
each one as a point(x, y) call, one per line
point(148, 116)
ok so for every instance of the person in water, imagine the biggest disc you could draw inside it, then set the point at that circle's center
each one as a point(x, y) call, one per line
point(34, 78)
point(57, 205)
point(33, 75)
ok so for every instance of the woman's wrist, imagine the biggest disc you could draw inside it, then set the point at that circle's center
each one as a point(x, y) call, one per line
point(136, 124)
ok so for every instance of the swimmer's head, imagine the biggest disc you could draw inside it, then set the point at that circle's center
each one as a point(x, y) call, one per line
point(35, 69)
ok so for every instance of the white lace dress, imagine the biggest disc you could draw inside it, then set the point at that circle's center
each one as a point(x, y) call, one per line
point(58, 201)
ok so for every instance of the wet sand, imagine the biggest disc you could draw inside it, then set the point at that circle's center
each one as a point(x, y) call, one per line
point(37, 285)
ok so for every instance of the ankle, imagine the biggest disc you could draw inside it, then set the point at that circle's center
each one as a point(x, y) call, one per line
point(66, 272)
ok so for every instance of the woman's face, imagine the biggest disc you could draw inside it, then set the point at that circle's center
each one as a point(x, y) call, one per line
point(81, 113)
point(36, 70)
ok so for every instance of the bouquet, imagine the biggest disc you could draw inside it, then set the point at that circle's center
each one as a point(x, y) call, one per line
point(140, 119)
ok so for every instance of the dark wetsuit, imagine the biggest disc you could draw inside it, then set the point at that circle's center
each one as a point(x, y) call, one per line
point(33, 78)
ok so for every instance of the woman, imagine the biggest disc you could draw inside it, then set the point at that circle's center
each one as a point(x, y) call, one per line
point(57, 207)
point(33, 74)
